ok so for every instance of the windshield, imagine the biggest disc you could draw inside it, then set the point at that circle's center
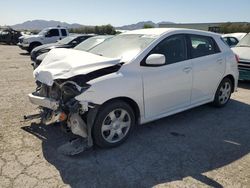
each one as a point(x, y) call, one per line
point(91, 42)
point(43, 32)
point(245, 41)
point(66, 40)
point(125, 46)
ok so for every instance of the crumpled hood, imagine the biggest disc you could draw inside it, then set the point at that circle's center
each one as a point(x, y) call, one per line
point(243, 53)
point(65, 63)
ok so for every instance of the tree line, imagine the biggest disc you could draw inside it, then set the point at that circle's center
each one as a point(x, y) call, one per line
point(235, 27)
point(100, 30)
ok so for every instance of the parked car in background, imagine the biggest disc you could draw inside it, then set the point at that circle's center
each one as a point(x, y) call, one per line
point(9, 35)
point(232, 39)
point(86, 45)
point(48, 35)
point(243, 51)
point(133, 78)
point(68, 42)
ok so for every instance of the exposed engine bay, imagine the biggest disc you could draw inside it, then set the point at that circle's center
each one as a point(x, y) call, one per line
point(58, 104)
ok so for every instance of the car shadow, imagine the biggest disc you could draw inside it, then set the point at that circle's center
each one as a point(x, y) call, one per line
point(186, 144)
point(25, 53)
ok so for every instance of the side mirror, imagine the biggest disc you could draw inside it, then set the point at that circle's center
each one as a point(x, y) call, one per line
point(156, 59)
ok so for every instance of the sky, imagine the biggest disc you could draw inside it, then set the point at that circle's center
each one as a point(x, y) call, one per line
point(118, 13)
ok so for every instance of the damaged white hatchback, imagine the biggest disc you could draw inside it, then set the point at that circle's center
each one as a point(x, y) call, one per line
point(134, 78)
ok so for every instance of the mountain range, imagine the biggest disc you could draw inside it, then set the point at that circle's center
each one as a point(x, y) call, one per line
point(140, 25)
point(40, 24)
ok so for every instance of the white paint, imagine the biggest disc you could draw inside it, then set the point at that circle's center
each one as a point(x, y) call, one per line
point(158, 91)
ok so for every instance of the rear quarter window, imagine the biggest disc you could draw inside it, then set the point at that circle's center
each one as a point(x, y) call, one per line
point(64, 32)
point(203, 46)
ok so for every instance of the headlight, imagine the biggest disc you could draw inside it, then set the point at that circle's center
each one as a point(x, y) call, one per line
point(70, 90)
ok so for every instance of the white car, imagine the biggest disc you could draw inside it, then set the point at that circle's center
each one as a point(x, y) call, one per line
point(232, 39)
point(84, 46)
point(134, 78)
point(242, 49)
point(47, 35)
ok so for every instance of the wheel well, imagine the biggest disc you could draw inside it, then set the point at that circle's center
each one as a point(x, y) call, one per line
point(232, 80)
point(33, 43)
point(131, 103)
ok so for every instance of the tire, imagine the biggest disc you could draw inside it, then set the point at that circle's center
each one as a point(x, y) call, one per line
point(223, 93)
point(32, 46)
point(114, 122)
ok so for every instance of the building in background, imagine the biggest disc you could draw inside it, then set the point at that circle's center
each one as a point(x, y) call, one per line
point(214, 27)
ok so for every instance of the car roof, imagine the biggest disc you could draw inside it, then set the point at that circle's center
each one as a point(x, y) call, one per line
point(55, 27)
point(103, 36)
point(162, 31)
point(80, 35)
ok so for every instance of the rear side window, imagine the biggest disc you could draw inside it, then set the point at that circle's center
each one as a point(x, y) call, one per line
point(53, 32)
point(174, 49)
point(64, 32)
point(203, 46)
point(233, 41)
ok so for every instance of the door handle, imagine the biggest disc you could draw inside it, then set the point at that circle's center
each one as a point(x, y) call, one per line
point(187, 69)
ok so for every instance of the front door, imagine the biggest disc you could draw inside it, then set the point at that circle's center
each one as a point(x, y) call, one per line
point(52, 36)
point(168, 87)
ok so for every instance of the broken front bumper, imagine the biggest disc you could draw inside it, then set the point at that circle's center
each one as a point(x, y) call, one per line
point(44, 102)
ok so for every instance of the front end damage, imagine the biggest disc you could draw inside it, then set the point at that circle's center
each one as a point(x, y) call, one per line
point(63, 75)
point(58, 104)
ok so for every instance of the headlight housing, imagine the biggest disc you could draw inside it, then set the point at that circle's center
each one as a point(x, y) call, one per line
point(70, 89)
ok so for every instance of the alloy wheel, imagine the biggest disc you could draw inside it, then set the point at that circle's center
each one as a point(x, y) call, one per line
point(116, 125)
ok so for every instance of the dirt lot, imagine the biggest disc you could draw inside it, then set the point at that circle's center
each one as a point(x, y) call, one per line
point(203, 147)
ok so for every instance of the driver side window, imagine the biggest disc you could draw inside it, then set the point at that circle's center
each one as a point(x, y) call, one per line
point(53, 33)
point(174, 48)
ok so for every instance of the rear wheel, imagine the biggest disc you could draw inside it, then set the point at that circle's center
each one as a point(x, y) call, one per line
point(223, 93)
point(113, 124)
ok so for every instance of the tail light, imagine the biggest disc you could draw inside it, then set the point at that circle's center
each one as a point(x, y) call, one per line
point(237, 58)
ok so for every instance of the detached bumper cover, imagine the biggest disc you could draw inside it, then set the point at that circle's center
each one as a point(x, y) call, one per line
point(44, 102)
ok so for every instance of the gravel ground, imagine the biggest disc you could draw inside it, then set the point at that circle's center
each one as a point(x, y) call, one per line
point(203, 147)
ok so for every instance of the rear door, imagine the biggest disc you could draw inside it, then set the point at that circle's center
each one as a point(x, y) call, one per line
point(168, 87)
point(208, 67)
point(63, 33)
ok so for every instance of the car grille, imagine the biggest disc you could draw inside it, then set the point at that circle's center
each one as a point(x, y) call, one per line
point(244, 65)
point(21, 40)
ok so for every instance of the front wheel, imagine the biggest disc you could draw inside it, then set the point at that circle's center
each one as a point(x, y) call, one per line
point(113, 124)
point(223, 93)
point(32, 46)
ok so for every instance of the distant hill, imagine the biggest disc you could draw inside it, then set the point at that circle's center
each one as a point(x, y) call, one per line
point(140, 25)
point(40, 24)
